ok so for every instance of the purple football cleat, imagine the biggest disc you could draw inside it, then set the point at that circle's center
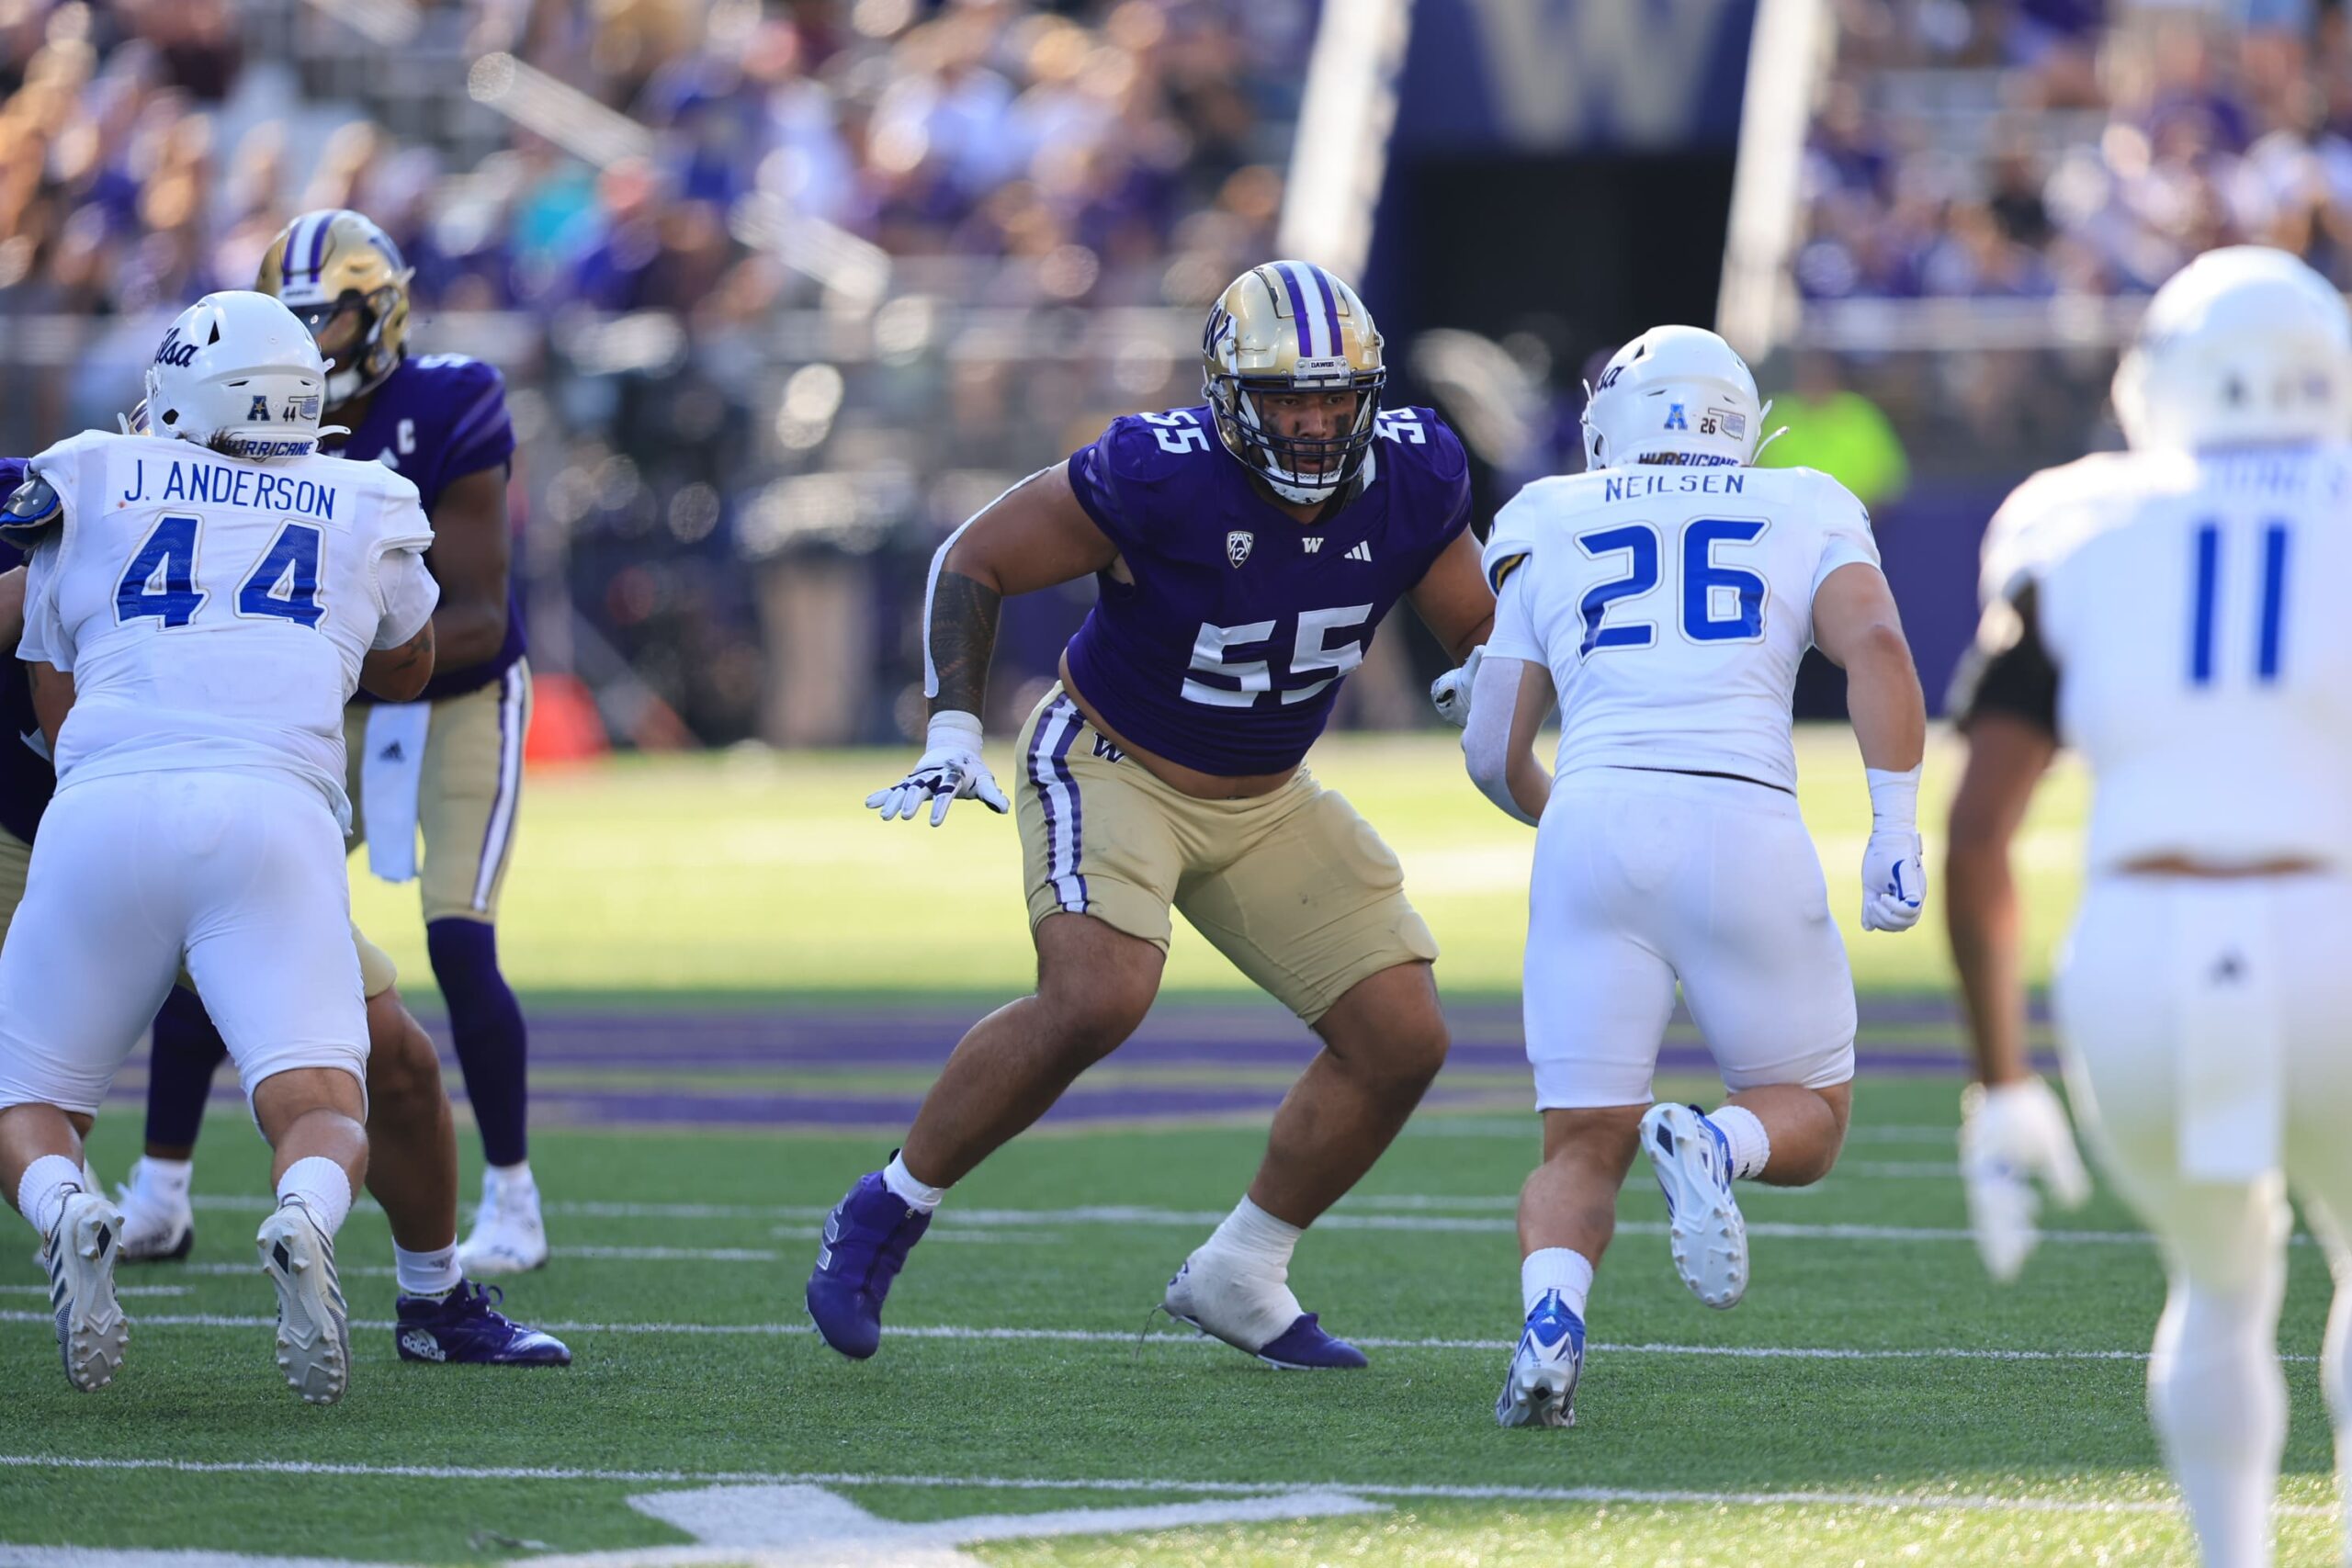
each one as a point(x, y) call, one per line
point(465, 1325)
point(866, 1238)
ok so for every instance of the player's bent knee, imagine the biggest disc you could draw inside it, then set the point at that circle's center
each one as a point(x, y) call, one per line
point(1094, 983)
point(403, 1068)
point(286, 1096)
point(1606, 1136)
point(1388, 1025)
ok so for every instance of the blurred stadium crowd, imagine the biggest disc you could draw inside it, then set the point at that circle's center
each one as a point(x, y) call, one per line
point(781, 291)
point(2079, 158)
point(1988, 189)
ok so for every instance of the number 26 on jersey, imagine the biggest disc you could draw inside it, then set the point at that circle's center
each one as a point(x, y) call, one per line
point(1720, 601)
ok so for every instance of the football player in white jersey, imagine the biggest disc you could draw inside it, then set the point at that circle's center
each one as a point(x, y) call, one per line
point(2171, 612)
point(1666, 597)
point(202, 597)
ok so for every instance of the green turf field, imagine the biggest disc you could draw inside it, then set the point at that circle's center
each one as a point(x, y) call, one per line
point(764, 873)
point(1875, 1400)
point(1937, 1418)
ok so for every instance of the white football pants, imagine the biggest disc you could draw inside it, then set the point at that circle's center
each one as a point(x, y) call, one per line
point(2207, 1025)
point(238, 875)
point(1643, 879)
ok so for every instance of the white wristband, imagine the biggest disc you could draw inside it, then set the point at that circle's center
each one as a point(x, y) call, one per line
point(952, 727)
point(1894, 799)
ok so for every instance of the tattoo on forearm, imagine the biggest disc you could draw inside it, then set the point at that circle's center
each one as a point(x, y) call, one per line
point(963, 639)
point(406, 657)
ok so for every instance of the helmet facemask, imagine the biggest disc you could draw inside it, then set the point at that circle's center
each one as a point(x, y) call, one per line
point(1302, 469)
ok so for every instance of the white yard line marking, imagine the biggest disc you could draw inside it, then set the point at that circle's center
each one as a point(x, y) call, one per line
point(1194, 1341)
point(119, 1289)
point(1344, 1220)
point(1894, 1500)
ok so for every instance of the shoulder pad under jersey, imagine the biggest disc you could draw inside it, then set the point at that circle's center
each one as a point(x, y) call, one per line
point(1522, 523)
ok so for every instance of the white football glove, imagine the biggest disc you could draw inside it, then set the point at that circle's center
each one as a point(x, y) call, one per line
point(1449, 692)
point(950, 769)
point(2010, 1135)
point(1894, 864)
point(1894, 881)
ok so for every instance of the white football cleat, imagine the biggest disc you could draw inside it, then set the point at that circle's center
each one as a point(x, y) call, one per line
point(508, 1235)
point(80, 1256)
point(1693, 1167)
point(154, 1228)
point(313, 1324)
point(1539, 1390)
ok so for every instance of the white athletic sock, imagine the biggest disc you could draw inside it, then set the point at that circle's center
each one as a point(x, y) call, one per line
point(902, 1184)
point(40, 1196)
point(510, 1183)
point(1239, 1279)
point(1560, 1268)
point(2220, 1404)
point(434, 1273)
point(324, 1190)
point(1751, 1151)
point(1254, 1238)
point(166, 1180)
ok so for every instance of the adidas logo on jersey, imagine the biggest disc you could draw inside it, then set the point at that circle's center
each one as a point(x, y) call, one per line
point(1361, 552)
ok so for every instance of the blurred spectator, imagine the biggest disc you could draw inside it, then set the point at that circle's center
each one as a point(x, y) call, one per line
point(1837, 431)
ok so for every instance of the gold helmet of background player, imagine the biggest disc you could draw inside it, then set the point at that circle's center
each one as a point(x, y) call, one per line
point(346, 279)
point(1291, 327)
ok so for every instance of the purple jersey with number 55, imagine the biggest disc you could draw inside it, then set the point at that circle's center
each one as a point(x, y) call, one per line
point(1226, 652)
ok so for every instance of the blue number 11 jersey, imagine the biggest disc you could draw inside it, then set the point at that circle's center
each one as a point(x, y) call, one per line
point(1226, 652)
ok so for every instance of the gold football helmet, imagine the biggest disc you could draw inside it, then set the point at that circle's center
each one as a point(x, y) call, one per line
point(327, 263)
point(1290, 327)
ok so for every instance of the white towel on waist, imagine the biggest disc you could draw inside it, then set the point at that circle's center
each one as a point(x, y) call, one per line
point(388, 776)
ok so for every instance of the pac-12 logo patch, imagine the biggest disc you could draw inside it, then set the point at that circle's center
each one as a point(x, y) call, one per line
point(1237, 546)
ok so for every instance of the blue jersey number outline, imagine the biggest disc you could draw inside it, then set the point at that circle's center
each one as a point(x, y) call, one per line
point(2269, 631)
point(1703, 578)
point(291, 564)
point(160, 582)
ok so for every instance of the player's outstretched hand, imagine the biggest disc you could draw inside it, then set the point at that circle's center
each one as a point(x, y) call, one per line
point(1895, 880)
point(1449, 692)
point(2010, 1136)
point(950, 769)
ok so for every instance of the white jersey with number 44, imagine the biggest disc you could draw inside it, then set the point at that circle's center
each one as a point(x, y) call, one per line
point(2190, 608)
point(1672, 606)
point(214, 611)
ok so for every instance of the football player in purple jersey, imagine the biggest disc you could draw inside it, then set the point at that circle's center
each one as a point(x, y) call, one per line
point(1244, 551)
point(450, 764)
point(412, 1142)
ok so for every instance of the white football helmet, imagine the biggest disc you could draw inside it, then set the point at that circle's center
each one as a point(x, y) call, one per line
point(1676, 395)
point(2243, 346)
point(239, 374)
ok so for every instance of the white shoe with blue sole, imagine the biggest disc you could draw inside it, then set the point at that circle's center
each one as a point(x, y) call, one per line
point(1692, 1162)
